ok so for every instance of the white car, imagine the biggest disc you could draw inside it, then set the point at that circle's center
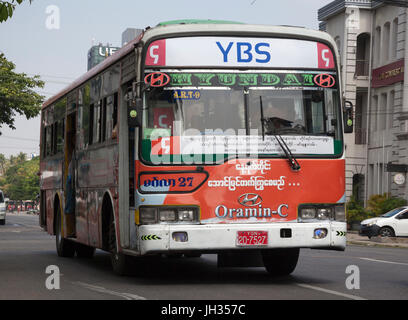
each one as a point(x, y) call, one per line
point(2, 209)
point(394, 223)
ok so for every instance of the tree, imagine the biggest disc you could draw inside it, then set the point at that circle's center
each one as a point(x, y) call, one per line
point(21, 181)
point(3, 162)
point(7, 8)
point(17, 94)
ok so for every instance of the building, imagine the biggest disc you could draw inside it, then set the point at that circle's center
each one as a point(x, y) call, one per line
point(96, 54)
point(129, 34)
point(372, 39)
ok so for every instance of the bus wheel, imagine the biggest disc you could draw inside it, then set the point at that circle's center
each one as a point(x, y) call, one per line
point(65, 247)
point(84, 251)
point(280, 262)
point(120, 261)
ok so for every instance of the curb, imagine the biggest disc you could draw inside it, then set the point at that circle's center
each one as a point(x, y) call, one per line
point(377, 244)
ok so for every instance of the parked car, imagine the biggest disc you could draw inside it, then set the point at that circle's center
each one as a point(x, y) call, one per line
point(394, 223)
point(2, 209)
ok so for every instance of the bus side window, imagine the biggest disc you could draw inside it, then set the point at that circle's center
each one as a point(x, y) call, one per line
point(54, 138)
point(57, 137)
point(60, 136)
point(109, 122)
point(103, 119)
point(115, 116)
point(96, 122)
point(48, 141)
point(91, 122)
point(84, 117)
point(111, 116)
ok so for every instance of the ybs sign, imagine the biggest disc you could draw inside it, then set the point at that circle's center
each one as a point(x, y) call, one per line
point(246, 52)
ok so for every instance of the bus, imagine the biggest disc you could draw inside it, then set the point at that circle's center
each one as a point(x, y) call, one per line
point(200, 137)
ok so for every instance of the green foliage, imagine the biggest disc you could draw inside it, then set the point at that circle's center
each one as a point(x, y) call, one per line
point(355, 210)
point(377, 205)
point(20, 181)
point(17, 93)
point(7, 8)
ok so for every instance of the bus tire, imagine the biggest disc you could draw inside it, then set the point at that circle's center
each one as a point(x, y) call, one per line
point(84, 251)
point(119, 261)
point(280, 262)
point(65, 247)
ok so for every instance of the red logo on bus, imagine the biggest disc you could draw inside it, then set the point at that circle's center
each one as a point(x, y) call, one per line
point(324, 80)
point(157, 79)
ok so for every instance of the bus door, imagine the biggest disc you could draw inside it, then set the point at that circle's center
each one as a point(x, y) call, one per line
point(70, 174)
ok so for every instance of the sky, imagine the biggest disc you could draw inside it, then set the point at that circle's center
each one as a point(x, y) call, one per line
point(57, 50)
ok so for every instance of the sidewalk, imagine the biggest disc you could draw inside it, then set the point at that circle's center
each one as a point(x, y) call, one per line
point(396, 242)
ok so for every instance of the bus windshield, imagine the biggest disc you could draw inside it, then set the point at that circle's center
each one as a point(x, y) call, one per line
point(236, 114)
point(233, 114)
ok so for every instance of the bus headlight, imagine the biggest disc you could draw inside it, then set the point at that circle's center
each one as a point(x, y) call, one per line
point(186, 215)
point(310, 212)
point(340, 213)
point(148, 215)
point(152, 214)
point(167, 215)
point(324, 213)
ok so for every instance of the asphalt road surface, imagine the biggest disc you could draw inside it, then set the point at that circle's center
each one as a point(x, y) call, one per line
point(359, 273)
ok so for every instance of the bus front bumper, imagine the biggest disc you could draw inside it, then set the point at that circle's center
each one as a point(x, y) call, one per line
point(165, 238)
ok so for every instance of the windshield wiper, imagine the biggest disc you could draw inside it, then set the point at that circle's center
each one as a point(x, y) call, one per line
point(294, 164)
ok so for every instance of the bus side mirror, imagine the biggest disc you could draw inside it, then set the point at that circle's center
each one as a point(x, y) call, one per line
point(348, 117)
point(135, 112)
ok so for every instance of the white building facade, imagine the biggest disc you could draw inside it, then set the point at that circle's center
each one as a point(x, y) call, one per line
point(372, 38)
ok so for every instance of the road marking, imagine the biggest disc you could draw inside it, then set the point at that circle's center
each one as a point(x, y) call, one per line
point(383, 261)
point(337, 293)
point(127, 296)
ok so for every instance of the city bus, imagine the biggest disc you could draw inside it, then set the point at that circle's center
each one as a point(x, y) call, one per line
point(200, 137)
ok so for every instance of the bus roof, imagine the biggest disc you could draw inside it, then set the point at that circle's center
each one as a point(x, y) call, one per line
point(95, 70)
point(197, 21)
point(197, 27)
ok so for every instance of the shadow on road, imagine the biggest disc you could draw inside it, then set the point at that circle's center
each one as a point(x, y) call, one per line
point(172, 271)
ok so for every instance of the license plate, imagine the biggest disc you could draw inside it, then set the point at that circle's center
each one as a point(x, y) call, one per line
point(252, 238)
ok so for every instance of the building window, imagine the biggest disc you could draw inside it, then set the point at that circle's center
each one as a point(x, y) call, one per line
point(371, 181)
point(362, 54)
point(377, 42)
point(386, 42)
point(358, 187)
point(360, 118)
point(382, 112)
point(373, 114)
point(390, 109)
point(394, 40)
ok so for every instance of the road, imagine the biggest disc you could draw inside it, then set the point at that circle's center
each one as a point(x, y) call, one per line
point(26, 251)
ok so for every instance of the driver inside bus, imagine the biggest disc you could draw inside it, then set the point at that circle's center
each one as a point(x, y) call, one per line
point(278, 117)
